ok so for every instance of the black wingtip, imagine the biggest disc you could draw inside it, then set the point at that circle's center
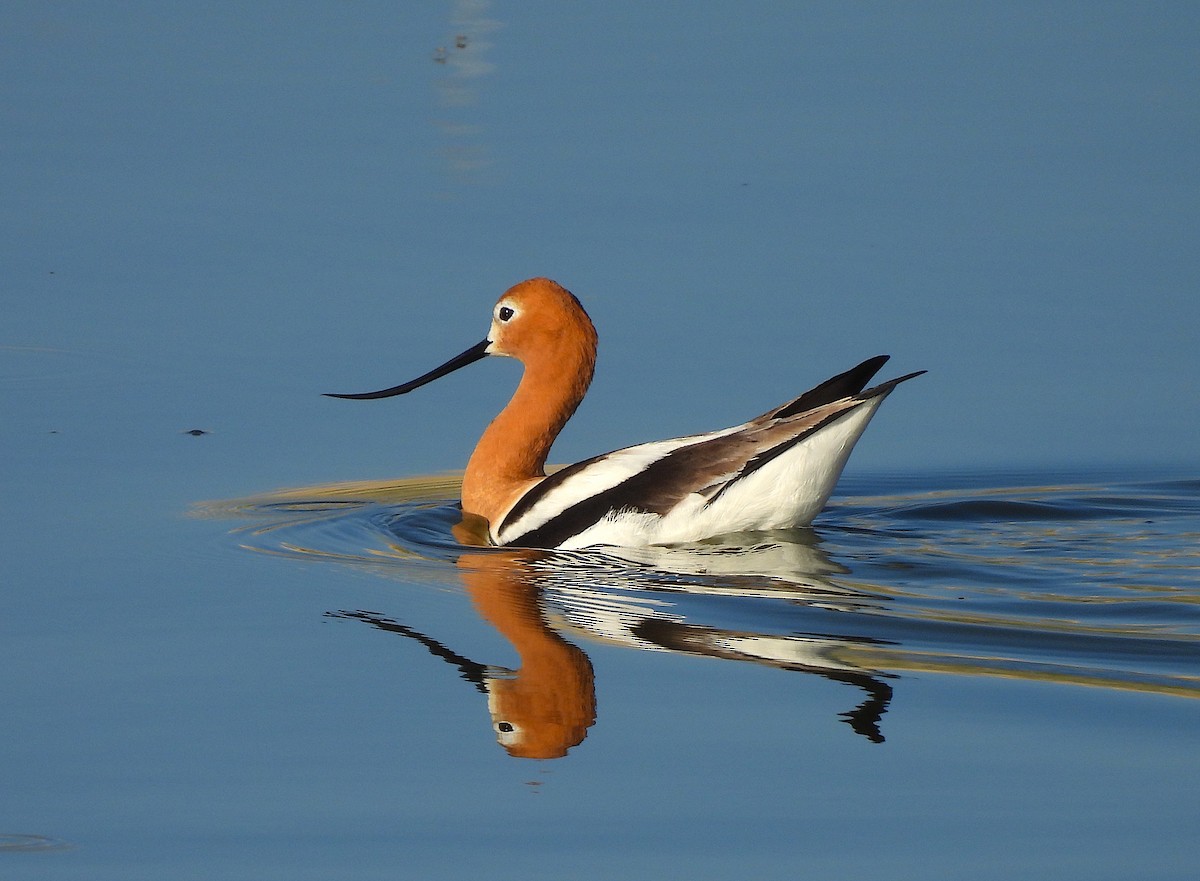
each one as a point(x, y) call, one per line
point(835, 388)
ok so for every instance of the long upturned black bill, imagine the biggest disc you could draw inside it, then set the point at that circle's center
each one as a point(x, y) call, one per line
point(470, 356)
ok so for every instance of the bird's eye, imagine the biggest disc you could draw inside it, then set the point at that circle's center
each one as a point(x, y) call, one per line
point(504, 727)
point(505, 313)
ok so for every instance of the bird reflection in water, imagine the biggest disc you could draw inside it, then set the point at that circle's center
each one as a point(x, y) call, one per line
point(546, 706)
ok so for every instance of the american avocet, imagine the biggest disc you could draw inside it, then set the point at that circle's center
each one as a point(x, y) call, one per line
point(775, 471)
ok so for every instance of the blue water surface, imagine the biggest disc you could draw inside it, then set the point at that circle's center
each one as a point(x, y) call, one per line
point(242, 636)
point(978, 674)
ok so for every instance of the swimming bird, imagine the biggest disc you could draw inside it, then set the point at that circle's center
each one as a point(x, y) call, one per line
point(775, 471)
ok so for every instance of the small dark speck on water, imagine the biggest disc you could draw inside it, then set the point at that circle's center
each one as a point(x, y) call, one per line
point(196, 432)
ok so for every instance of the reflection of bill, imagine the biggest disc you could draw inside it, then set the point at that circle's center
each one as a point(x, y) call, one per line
point(546, 706)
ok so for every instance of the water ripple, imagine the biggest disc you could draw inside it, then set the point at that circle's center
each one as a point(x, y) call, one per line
point(1087, 583)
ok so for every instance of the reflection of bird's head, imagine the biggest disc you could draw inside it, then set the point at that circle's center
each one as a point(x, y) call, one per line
point(535, 719)
point(545, 707)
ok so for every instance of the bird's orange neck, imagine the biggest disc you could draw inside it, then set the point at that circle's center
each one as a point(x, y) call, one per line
point(511, 455)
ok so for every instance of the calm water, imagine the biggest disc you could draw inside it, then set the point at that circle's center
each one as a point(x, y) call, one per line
point(218, 212)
